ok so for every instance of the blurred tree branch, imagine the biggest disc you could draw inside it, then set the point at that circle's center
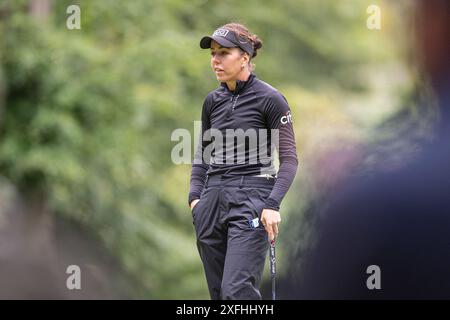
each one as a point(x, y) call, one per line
point(40, 9)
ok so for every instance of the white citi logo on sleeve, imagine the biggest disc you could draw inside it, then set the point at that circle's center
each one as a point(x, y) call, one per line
point(287, 118)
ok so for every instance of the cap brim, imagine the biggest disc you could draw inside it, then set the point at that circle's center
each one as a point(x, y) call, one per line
point(205, 43)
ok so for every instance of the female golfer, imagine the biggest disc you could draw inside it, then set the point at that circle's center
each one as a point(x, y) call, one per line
point(235, 192)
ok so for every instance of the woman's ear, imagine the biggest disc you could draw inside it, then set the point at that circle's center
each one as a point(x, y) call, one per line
point(245, 58)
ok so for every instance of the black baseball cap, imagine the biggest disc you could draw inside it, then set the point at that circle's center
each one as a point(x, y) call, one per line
point(228, 39)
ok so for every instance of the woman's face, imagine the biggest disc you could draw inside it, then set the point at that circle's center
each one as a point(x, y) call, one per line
point(226, 62)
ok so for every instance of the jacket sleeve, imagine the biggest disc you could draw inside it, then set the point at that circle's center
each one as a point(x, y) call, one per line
point(199, 166)
point(279, 117)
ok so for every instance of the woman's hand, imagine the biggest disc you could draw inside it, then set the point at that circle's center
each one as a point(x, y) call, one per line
point(270, 220)
point(194, 203)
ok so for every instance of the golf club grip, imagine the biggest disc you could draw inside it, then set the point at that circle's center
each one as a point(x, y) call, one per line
point(272, 260)
point(272, 266)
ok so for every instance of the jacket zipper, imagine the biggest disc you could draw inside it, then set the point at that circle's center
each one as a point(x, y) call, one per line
point(234, 103)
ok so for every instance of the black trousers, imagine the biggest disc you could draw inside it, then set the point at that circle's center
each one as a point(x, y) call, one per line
point(233, 250)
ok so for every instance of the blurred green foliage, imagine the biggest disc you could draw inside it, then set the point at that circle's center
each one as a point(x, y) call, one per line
point(88, 114)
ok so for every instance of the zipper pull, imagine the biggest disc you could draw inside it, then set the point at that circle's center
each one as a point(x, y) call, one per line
point(234, 104)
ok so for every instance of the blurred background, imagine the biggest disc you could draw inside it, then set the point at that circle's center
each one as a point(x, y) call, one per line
point(86, 116)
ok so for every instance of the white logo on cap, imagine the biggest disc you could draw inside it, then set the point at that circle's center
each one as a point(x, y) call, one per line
point(221, 32)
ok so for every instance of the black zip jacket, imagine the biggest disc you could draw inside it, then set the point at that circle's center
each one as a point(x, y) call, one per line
point(253, 105)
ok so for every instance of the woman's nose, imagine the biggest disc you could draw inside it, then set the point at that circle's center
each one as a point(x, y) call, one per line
point(214, 59)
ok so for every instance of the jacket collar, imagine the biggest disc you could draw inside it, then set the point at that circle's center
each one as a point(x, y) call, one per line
point(240, 84)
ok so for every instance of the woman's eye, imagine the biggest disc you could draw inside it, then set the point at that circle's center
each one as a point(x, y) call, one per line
point(220, 53)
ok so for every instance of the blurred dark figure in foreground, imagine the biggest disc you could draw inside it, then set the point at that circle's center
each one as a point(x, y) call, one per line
point(398, 220)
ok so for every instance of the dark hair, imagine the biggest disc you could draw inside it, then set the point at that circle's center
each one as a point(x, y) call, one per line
point(242, 31)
